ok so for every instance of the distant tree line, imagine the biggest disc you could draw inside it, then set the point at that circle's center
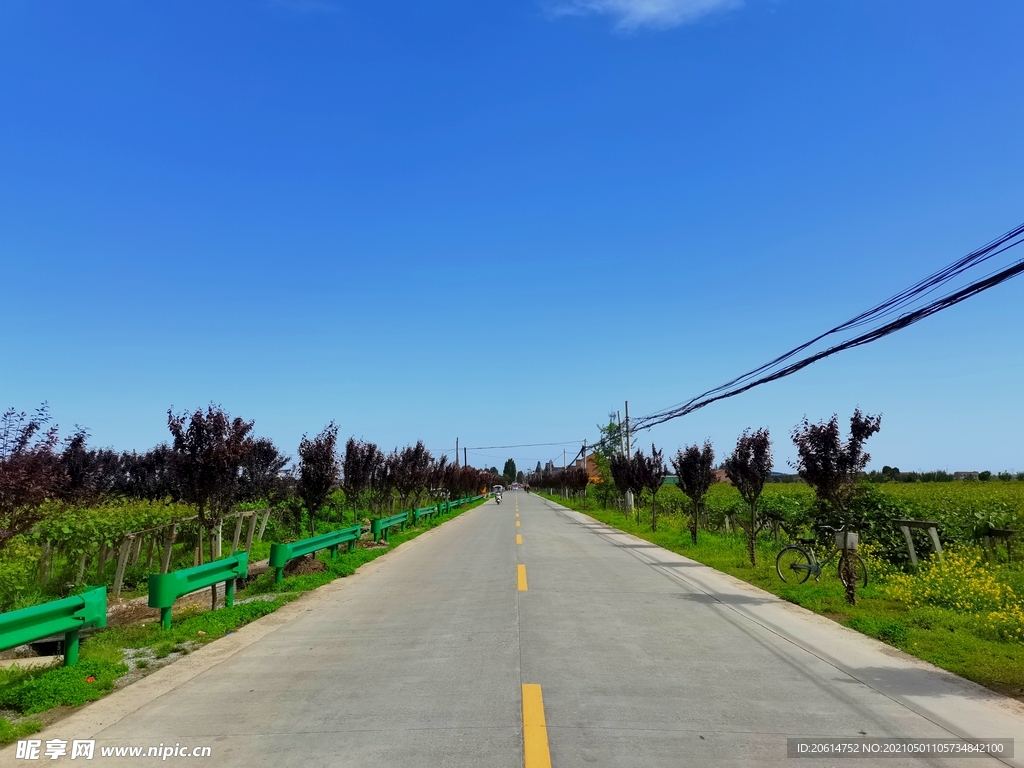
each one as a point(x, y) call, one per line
point(215, 462)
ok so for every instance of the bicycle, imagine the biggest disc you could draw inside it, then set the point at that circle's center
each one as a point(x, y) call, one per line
point(796, 562)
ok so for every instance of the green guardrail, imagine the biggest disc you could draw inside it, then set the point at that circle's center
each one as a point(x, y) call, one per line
point(280, 554)
point(68, 617)
point(165, 588)
point(384, 524)
point(419, 514)
point(459, 502)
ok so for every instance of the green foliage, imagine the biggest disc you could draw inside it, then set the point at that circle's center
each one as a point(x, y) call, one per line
point(13, 731)
point(17, 566)
point(64, 686)
point(509, 472)
point(83, 530)
point(16, 675)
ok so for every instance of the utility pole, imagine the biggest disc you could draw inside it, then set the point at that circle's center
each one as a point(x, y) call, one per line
point(563, 459)
point(629, 445)
point(585, 456)
point(456, 453)
point(465, 461)
point(629, 455)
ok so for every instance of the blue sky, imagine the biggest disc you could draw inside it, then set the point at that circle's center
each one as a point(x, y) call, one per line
point(499, 220)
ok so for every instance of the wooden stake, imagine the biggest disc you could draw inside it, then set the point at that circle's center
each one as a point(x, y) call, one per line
point(250, 531)
point(165, 561)
point(122, 560)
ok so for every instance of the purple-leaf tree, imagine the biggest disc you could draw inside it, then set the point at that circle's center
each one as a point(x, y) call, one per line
point(649, 474)
point(833, 468)
point(318, 471)
point(750, 467)
point(695, 468)
point(209, 448)
point(361, 463)
point(30, 470)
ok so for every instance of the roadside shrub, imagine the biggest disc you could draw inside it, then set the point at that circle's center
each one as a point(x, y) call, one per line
point(17, 570)
point(64, 686)
point(961, 583)
point(879, 566)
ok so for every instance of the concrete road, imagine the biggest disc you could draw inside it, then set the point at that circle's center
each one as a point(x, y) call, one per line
point(592, 647)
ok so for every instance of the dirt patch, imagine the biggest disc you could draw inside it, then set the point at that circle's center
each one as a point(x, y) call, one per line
point(18, 652)
point(301, 566)
point(125, 612)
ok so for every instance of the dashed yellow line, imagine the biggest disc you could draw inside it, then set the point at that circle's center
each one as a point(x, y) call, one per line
point(519, 538)
point(535, 729)
point(521, 577)
point(517, 524)
point(517, 514)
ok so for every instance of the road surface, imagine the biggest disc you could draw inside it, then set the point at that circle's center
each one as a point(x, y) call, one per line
point(590, 647)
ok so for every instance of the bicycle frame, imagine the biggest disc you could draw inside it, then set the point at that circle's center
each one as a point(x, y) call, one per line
point(816, 566)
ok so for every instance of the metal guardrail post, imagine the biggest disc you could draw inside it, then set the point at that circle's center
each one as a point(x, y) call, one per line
point(165, 588)
point(281, 554)
point(68, 617)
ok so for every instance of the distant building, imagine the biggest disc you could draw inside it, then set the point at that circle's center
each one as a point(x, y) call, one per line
point(592, 473)
point(966, 475)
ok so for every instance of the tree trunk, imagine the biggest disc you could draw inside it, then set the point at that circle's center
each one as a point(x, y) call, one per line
point(693, 521)
point(753, 533)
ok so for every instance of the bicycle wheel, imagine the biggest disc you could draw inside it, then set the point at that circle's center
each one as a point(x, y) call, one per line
point(860, 570)
point(793, 565)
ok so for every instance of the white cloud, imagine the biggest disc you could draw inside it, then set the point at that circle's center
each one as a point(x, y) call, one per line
point(632, 14)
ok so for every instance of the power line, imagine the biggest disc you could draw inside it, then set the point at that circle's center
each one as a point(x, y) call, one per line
point(525, 445)
point(771, 371)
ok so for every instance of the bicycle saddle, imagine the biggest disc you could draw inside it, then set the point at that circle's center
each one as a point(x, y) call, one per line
point(806, 541)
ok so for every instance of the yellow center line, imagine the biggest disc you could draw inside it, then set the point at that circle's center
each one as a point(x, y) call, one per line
point(519, 539)
point(535, 729)
point(517, 524)
point(521, 577)
point(517, 514)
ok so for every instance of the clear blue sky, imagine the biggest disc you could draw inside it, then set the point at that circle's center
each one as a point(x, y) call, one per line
point(498, 220)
